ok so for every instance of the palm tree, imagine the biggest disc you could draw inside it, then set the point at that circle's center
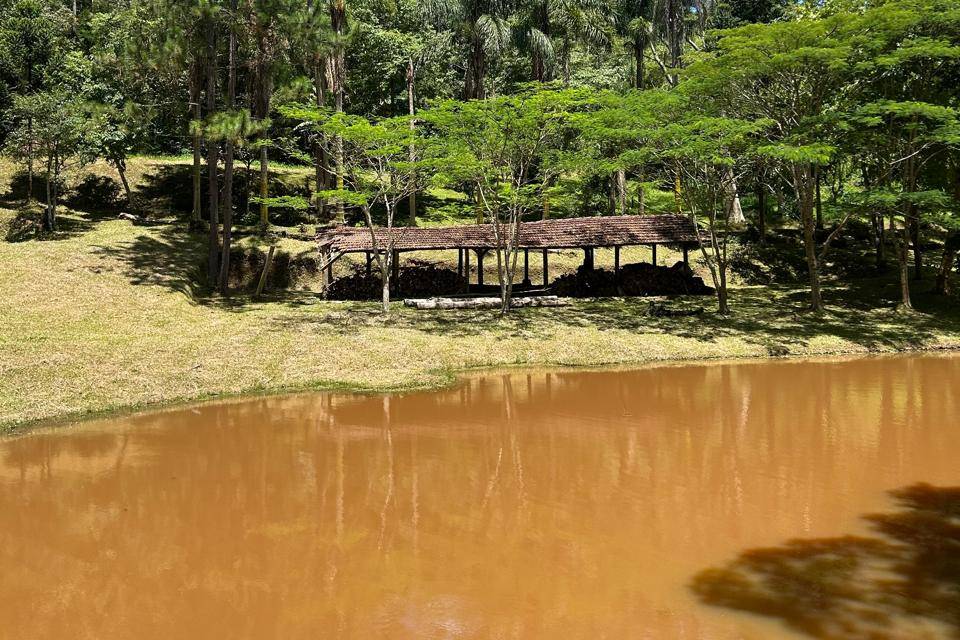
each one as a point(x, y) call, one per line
point(634, 21)
point(662, 29)
point(548, 28)
point(482, 25)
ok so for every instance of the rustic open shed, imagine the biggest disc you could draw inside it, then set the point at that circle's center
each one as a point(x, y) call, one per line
point(541, 236)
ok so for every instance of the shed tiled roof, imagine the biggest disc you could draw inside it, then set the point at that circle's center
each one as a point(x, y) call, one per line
point(565, 233)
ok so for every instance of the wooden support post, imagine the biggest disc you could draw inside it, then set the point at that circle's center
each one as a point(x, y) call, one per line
point(616, 261)
point(396, 266)
point(526, 267)
point(480, 253)
point(369, 263)
point(653, 248)
point(686, 255)
point(466, 268)
point(330, 271)
point(546, 268)
point(460, 262)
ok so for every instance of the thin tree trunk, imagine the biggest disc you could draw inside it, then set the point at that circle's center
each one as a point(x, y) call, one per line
point(950, 247)
point(321, 161)
point(196, 79)
point(121, 166)
point(411, 108)
point(762, 213)
point(264, 187)
point(385, 281)
point(723, 301)
point(30, 160)
point(880, 238)
point(213, 152)
point(952, 243)
point(47, 215)
point(227, 204)
point(674, 18)
point(915, 242)
point(819, 199)
point(620, 191)
point(638, 61)
point(264, 91)
point(904, 250)
point(805, 181)
point(338, 21)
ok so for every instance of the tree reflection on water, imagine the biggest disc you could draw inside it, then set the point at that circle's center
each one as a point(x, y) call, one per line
point(903, 582)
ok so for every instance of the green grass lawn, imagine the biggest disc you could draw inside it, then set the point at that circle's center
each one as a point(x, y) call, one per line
point(105, 316)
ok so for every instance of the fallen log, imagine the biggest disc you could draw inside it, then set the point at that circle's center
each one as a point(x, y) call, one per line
point(483, 303)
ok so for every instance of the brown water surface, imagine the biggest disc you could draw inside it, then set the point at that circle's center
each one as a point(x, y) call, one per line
point(644, 504)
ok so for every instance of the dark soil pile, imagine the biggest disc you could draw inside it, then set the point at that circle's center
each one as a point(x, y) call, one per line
point(414, 282)
point(641, 279)
point(286, 271)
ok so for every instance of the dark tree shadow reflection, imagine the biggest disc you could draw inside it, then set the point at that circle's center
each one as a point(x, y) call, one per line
point(903, 582)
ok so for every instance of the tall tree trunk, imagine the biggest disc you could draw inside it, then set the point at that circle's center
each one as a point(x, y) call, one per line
point(476, 72)
point(338, 21)
point(27, 89)
point(639, 63)
point(620, 191)
point(762, 213)
point(950, 247)
point(213, 153)
point(952, 243)
point(411, 108)
point(264, 93)
point(912, 221)
point(196, 80)
point(29, 160)
point(903, 255)
point(915, 243)
point(641, 197)
point(227, 204)
point(880, 240)
point(819, 198)
point(321, 159)
point(48, 209)
point(56, 192)
point(538, 71)
point(674, 11)
point(805, 184)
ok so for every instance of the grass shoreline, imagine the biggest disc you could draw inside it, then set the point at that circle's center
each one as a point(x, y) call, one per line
point(445, 379)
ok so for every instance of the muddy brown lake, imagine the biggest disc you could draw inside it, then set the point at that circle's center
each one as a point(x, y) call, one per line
point(719, 501)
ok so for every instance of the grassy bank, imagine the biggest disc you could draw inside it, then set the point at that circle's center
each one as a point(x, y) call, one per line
point(105, 316)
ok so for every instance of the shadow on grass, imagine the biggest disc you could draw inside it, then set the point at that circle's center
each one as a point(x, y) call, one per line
point(172, 257)
point(167, 257)
point(26, 225)
point(901, 582)
point(774, 318)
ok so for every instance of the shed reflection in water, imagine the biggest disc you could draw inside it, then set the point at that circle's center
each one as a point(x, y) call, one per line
point(575, 505)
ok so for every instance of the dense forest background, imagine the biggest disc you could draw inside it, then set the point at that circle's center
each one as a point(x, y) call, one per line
point(831, 113)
